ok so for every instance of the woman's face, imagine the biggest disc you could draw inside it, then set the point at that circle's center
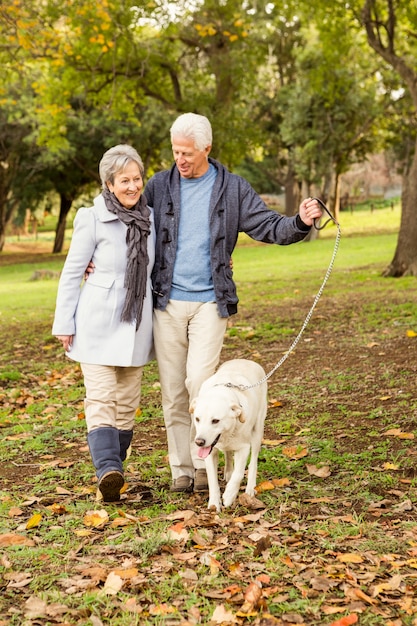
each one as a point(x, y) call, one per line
point(128, 185)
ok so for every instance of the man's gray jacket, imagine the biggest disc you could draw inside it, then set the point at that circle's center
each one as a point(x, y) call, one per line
point(234, 207)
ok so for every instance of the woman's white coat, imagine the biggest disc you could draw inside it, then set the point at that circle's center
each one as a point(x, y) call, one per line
point(91, 310)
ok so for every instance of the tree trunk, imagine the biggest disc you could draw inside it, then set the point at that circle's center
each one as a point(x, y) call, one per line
point(404, 262)
point(382, 37)
point(65, 206)
point(292, 193)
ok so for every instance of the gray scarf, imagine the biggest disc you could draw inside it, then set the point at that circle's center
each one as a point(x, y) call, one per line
point(138, 225)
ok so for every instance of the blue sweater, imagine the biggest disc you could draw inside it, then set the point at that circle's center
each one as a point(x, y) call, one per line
point(192, 280)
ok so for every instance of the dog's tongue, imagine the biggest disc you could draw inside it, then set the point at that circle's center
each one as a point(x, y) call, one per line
point(204, 452)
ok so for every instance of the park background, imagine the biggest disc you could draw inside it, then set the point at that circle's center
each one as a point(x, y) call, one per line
point(305, 99)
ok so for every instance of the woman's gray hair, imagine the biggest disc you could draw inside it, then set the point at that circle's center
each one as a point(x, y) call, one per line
point(194, 127)
point(115, 160)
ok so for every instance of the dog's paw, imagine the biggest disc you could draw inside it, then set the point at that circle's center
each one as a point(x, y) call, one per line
point(228, 500)
point(214, 505)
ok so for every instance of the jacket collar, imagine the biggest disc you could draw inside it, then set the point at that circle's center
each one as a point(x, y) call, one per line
point(103, 214)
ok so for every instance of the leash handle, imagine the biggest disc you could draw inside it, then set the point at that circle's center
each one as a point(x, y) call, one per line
point(331, 217)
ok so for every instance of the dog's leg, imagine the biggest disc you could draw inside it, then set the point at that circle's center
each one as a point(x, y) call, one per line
point(255, 449)
point(232, 487)
point(228, 465)
point(212, 462)
point(252, 470)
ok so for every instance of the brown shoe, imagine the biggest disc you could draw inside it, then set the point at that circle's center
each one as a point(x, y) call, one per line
point(183, 483)
point(200, 480)
point(110, 485)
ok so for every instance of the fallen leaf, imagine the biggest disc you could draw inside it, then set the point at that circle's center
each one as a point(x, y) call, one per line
point(15, 512)
point(321, 472)
point(392, 585)
point(125, 574)
point(11, 539)
point(222, 616)
point(96, 519)
point(390, 466)
point(266, 485)
point(348, 620)
point(112, 585)
point(161, 609)
point(178, 532)
point(350, 557)
point(34, 521)
point(250, 502)
point(57, 508)
point(397, 432)
point(18, 579)
point(411, 333)
point(281, 482)
point(294, 452)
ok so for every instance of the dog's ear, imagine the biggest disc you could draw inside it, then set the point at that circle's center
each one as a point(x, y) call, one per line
point(192, 406)
point(237, 412)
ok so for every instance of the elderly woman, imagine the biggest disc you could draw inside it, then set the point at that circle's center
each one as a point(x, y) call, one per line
point(106, 322)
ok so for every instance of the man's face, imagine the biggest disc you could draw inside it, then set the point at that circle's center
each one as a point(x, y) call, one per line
point(191, 163)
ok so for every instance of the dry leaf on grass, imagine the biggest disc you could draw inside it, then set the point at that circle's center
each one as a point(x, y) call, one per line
point(12, 539)
point(320, 472)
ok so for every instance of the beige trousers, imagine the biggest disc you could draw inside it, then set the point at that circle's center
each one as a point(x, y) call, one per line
point(188, 340)
point(112, 395)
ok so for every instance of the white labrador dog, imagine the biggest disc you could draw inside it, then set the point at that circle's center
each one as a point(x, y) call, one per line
point(232, 420)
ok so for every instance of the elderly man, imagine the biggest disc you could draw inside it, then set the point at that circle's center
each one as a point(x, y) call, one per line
point(200, 208)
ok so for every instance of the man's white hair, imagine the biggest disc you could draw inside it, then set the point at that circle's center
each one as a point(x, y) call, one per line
point(195, 127)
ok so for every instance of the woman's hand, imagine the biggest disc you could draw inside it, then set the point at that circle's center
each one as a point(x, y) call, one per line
point(66, 341)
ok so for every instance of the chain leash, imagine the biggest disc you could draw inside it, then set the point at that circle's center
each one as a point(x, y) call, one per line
point(310, 313)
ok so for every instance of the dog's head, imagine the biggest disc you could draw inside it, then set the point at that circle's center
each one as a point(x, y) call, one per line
point(214, 414)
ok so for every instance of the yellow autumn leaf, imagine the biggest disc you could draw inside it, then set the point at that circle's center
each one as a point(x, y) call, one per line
point(390, 466)
point(350, 557)
point(272, 442)
point(281, 482)
point(121, 521)
point(83, 532)
point(127, 573)
point(161, 609)
point(57, 508)
point(34, 521)
point(411, 333)
point(266, 485)
point(294, 452)
point(96, 519)
point(274, 402)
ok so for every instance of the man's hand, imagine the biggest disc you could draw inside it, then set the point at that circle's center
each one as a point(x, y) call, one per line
point(310, 210)
point(89, 270)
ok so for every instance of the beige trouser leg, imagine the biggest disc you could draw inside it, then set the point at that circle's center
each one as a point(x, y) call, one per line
point(112, 395)
point(188, 340)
